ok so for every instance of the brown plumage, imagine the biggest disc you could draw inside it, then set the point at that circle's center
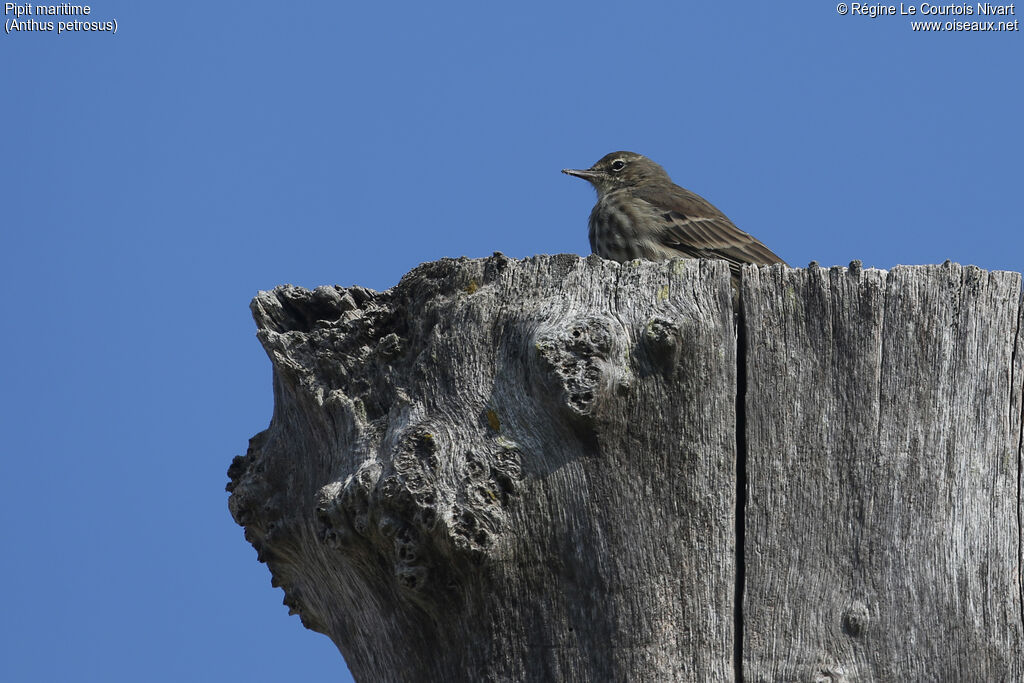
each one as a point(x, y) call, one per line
point(641, 213)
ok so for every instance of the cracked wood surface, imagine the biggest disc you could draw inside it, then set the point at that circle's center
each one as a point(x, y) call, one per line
point(505, 470)
point(883, 462)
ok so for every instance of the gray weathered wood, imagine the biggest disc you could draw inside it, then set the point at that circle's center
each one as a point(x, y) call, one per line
point(504, 470)
point(507, 470)
point(883, 459)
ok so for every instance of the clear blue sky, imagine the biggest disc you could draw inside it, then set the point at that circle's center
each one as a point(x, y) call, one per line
point(153, 180)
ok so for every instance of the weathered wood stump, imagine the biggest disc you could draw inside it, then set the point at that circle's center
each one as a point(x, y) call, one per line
point(883, 428)
point(567, 469)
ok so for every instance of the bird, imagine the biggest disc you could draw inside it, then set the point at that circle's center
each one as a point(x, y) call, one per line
point(641, 214)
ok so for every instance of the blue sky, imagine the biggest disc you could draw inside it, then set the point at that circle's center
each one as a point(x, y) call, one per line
point(154, 180)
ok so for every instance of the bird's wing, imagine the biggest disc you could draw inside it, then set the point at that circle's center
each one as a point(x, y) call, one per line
point(695, 228)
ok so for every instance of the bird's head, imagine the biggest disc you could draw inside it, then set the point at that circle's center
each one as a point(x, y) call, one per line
point(620, 170)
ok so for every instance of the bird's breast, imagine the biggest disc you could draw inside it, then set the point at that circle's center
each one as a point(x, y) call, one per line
point(623, 228)
point(611, 228)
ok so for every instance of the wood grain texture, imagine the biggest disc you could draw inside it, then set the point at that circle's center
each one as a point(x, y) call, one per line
point(504, 470)
point(883, 452)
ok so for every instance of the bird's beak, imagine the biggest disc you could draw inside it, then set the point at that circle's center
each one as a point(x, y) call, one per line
point(579, 173)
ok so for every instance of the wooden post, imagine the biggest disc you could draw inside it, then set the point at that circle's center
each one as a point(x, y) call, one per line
point(883, 444)
point(566, 469)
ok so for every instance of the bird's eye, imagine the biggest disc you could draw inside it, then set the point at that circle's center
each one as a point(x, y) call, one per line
point(618, 165)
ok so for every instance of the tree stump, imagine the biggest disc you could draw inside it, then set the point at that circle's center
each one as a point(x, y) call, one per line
point(568, 469)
